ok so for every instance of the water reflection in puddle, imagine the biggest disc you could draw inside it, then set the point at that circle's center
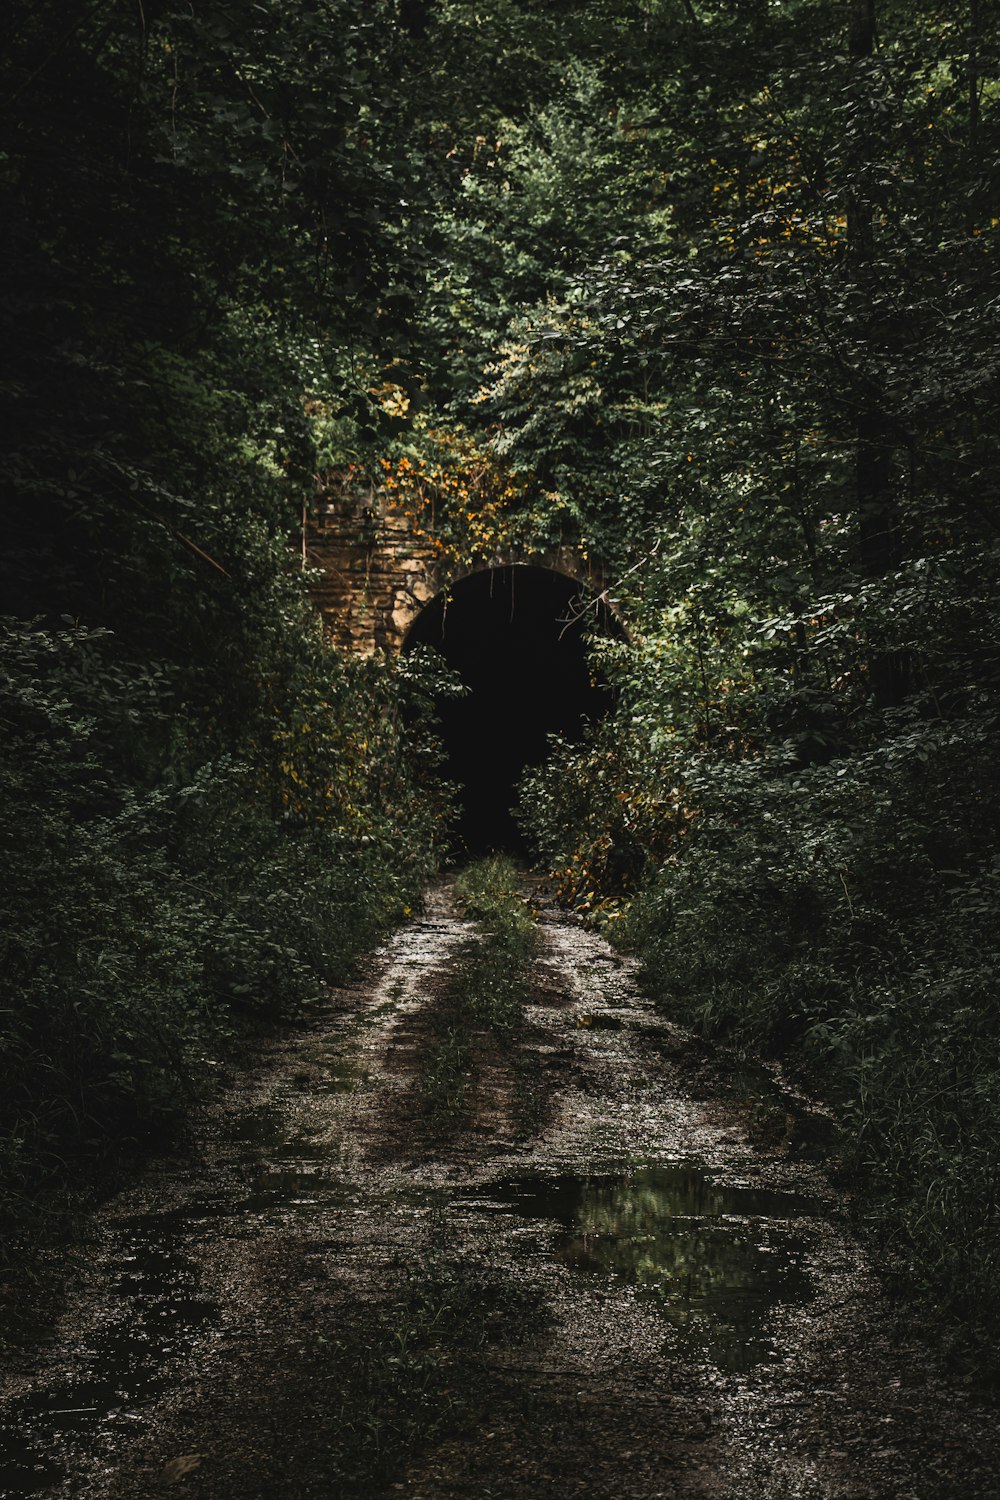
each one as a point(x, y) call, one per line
point(716, 1258)
point(155, 1316)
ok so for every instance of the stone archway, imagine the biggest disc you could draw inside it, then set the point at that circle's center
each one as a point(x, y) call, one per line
point(518, 640)
point(374, 571)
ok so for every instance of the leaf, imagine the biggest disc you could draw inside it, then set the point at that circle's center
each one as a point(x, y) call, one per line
point(177, 1468)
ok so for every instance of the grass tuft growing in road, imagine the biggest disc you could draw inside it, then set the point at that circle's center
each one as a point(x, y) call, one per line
point(488, 991)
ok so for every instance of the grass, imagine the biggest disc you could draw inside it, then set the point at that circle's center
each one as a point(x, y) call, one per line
point(488, 991)
point(415, 1377)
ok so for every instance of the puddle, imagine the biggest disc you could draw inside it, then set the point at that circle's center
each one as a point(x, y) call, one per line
point(153, 1313)
point(600, 1020)
point(293, 1183)
point(716, 1258)
point(154, 1316)
point(330, 1072)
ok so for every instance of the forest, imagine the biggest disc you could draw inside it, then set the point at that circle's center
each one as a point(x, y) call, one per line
point(708, 290)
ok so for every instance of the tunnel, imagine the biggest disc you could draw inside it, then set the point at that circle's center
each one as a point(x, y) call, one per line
point(516, 638)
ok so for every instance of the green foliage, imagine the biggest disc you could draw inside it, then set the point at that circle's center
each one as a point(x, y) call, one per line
point(141, 917)
point(408, 1372)
point(785, 402)
point(494, 985)
point(706, 291)
point(848, 912)
point(488, 990)
point(490, 891)
point(206, 812)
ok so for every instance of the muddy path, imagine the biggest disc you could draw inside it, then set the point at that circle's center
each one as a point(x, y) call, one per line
point(621, 1274)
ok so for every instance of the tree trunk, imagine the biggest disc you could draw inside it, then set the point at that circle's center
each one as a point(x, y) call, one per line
point(414, 15)
point(973, 75)
point(862, 32)
point(878, 516)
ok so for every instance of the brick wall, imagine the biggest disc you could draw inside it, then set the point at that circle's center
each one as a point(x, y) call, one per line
point(373, 574)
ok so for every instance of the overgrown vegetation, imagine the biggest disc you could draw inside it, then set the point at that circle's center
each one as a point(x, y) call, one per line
point(206, 812)
point(793, 815)
point(486, 994)
point(383, 1379)
point(145, 918)
point(706, 290)
point(413, 1375)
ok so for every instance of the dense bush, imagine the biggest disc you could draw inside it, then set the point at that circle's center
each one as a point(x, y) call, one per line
point(821, 883)
point(793, 812)
point(143, 917)
point(205, 810)
point(707, 293)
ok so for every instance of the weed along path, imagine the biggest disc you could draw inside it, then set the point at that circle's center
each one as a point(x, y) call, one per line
point(494, 1228)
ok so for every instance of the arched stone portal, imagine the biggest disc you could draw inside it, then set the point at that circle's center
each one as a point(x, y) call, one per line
point(512, 627)
point(515, 636)
point(374, 569)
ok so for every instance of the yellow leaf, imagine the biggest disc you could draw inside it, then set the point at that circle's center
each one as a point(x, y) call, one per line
point(175, 1470)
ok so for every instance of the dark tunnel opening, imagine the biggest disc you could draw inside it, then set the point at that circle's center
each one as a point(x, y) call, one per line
point(516, 638)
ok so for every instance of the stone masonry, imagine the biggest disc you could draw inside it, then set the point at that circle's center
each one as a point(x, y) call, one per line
point(373, 570)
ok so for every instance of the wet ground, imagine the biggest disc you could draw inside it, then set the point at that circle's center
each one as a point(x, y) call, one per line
point(624, 1274)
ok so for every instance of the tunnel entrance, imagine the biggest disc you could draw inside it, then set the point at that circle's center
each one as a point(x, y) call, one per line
point(512, 635)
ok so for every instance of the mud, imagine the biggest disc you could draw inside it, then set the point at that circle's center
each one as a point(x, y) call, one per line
point(625, 1273)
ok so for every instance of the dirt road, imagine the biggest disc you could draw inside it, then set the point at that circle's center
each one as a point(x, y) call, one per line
point(624, 1274)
